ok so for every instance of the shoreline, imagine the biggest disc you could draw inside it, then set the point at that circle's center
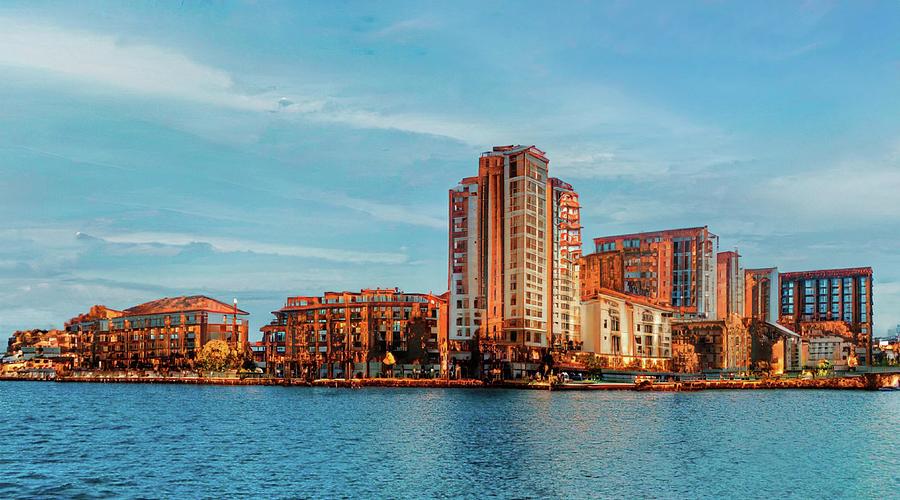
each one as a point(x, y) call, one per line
point(870, 382)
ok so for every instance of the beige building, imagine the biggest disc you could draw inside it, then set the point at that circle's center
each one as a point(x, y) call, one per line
point(833, 348)
point(615, 324)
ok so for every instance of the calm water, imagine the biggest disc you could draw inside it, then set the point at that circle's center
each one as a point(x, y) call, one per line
point(93, 440)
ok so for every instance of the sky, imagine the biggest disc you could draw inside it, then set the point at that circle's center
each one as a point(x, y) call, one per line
point(259, 150)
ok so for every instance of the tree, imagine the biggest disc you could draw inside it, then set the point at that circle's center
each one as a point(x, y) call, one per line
point(217, 356)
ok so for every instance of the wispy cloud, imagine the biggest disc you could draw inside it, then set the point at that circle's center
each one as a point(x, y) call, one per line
point(59, 246)
point(402, 29)
point(390, 212)
point(603, 163)
point(851, 189)
point(164, 72)
point(219, 244)
point(108, 60)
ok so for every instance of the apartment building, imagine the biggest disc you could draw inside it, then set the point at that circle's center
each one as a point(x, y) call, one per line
point(340, 334)
point(167, 332)
point(833, 301)
point(514, 248)
point(673, 268)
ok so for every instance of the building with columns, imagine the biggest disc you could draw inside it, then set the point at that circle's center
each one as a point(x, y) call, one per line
point(627, 330)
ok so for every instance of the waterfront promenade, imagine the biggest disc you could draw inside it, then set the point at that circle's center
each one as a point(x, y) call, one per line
point(863, 381)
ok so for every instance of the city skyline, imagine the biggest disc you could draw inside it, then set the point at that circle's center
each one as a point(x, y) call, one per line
point(294, 151)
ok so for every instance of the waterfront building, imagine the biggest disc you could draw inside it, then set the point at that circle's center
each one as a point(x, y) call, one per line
point(774, 348)
point(761, 292)
point(167, 332)
point(514, 248)
point(627, 331)
point(833, 348)
point(835, 301)
point(351, 333)
point(565, 232)
point(886, 351)
point(729, 285)
point(673, 268)
point(719, 345)
point(59, 340)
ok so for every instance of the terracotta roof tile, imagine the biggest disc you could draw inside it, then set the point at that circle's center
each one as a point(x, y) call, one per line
point(180, 304)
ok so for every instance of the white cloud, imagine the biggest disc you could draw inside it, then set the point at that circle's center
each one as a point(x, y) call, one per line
point(850, 191)
point(602, 163)
point(164, 72)
point(105, 59)
point(58, 246)
point(238, 245)
point(402, 29)
point(383, 211)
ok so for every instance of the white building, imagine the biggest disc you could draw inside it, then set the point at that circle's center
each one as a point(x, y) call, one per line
point(617, 324)
point(834, 348)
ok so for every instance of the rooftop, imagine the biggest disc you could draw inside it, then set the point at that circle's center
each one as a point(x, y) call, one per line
point(829, 273)
point(648, 234)
point(510, 150)
point(637, 299)
point(182, 304)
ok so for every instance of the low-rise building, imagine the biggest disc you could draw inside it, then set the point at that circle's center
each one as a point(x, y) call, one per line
point(833, 348)
point(722, 345)
point(167, 332)
point(628, 331)
point(350, 333)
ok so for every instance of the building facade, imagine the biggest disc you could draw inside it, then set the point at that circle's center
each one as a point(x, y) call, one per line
point(629, 331)
point(515, 241)
point(673, 268)
point(721, 345)
point(830, 301)
point(729, 285)
point(168, 332)
point(350, 333)
point(565, 231)
point(761, 292)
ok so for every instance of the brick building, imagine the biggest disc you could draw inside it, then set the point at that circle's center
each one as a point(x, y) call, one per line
point(168, 332)
point(673, 268)
point(729, 285)
point(341, 333)
point(514, 249)
point(761, 291)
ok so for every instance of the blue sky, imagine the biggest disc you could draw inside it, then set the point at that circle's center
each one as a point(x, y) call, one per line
point(266, 149)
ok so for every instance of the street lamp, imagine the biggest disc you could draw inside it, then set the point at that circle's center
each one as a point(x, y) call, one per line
point(234, 332)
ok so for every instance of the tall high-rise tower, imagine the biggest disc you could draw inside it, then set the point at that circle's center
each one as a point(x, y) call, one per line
point(515, 239)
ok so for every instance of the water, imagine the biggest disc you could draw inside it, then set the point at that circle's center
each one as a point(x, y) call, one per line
point(94, 440)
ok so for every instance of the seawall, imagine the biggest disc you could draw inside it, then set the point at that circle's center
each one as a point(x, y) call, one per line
point(868, 381)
